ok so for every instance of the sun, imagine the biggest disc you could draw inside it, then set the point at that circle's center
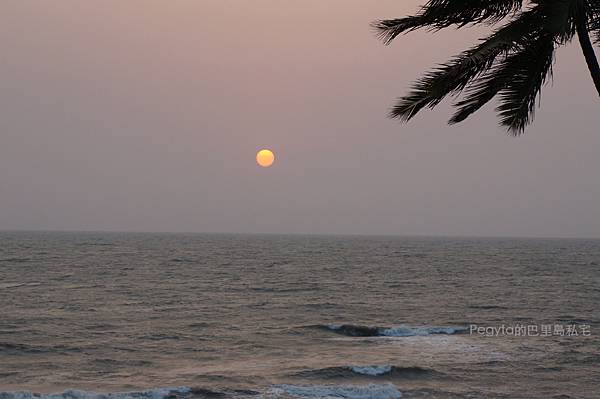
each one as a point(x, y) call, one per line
point(265, 158)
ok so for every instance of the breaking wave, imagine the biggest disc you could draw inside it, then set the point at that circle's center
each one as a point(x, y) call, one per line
point(368, 370)
point(370, 391)
point(372, 370)
point(352, 330)
point(160, 393)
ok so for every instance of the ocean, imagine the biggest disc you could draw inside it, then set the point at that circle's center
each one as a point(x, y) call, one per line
point(167, 316)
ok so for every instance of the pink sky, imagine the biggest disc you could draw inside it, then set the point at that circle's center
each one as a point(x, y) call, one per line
point(146, 115)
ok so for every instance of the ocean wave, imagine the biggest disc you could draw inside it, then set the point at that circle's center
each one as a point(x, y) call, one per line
point(20, 349)
point(352, 330)
point(372, 370)
point(370, 391)
point(160, 393)
point(17, 285)
point(403, 331)
point(394, 371)
point(489, 307)
point(367, 370)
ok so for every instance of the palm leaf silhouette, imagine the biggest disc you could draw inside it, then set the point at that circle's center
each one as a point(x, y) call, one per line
point(512, 64)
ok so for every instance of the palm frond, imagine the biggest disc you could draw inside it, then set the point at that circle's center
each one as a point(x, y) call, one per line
point(439, 14)
point(517, 79)
point(552, 21)
point(528, 70)
point(594, 22)
point(490, 68)
point(557, 17)
point(451, 78)
point(481, 92)
point(512, 64)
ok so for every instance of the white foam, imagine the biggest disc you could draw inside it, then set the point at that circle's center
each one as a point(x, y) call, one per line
point(159, 393)
point(371, 391)
point(407, 331)
point(403, 331)
point(371, 370)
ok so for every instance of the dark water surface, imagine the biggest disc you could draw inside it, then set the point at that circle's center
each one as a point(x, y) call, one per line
point(216, 316)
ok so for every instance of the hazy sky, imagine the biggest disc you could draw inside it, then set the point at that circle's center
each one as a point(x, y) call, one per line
point(146, 115)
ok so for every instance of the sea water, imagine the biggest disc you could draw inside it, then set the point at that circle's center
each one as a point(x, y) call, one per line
point(157, 316)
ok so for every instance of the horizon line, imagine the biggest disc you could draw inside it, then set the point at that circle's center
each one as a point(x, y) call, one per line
point(328, 234)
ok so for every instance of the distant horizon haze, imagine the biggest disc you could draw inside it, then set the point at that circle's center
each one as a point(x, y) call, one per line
point(301, 234)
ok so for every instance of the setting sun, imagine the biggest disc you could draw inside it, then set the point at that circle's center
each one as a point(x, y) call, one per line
point(265, 158)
